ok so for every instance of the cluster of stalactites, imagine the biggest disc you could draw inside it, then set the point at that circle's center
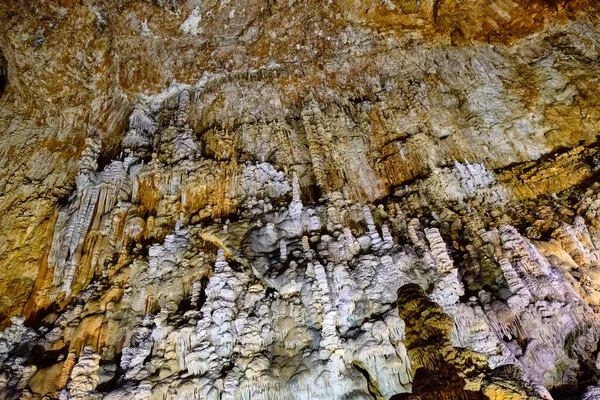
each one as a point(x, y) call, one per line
point(140, 135)
point(331, 298)
point(318, 138)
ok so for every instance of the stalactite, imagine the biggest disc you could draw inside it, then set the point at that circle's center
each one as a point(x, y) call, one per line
point(250, 243)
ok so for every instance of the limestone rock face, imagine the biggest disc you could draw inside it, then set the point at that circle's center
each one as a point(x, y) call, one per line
point(280, 200)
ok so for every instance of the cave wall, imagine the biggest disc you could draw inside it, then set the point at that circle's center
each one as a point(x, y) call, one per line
point(223, 199)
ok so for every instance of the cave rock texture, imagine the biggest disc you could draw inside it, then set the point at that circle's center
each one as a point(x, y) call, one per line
point(299, 199)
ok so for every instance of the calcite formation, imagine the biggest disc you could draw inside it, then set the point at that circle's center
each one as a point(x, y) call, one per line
point(275, 200)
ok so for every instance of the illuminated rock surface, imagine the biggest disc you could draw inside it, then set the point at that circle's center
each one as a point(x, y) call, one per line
point(264, 199)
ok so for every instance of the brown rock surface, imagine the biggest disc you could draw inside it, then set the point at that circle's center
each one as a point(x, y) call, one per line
point(220, 199)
